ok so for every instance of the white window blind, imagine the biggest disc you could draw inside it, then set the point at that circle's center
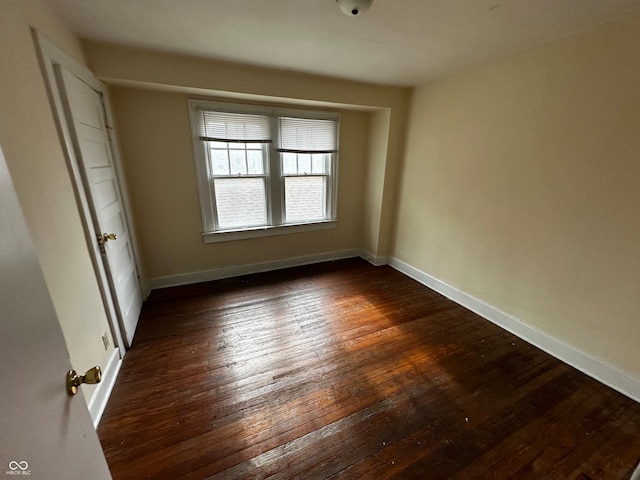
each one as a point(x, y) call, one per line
point(234, 127)
point(307, 135)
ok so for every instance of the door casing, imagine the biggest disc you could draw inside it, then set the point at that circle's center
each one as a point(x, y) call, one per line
point(50, 56)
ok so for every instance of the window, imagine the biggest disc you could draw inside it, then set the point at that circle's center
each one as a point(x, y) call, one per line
point(264, 171)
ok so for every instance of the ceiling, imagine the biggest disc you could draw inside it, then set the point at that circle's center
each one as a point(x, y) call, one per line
point(397, 42)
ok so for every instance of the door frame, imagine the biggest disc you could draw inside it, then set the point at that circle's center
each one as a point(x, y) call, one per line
point(51, 56)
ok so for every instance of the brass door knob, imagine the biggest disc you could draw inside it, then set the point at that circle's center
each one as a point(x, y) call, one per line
point(93, 375)
point(105, 237)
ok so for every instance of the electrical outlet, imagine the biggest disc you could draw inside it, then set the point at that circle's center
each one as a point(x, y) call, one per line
point(105, 340)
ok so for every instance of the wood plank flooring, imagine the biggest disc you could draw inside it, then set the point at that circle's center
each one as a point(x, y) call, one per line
point(343, 370)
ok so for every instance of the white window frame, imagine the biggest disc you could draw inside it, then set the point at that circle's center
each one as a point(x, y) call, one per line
point(276, 225)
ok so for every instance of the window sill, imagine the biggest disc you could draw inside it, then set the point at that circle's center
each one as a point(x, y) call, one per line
point(230, 235)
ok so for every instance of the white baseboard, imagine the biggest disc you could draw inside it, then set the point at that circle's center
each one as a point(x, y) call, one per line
point(636, 474)
point(248, 269)
point(372, 259)
point(98, 401)
point(611, 376)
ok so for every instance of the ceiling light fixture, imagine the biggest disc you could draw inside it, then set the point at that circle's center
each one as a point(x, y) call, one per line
point(354, 8)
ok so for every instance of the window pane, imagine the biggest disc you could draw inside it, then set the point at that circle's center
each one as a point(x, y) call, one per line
point(304, 163)
point(240, 202)
point(238, 162)
point(304, 198)
point(219, 162)
point(319, 162)
point(254, 162)
point(289, 165)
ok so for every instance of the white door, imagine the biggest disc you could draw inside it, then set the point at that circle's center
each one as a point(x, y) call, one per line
point(86, 119)
point(44, 432)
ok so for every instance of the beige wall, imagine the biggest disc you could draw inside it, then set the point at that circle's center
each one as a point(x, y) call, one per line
point(117, 64)
point(155, 139)
point(149, 86)
point(378, 148)
point(522, 188)
point(37, 164)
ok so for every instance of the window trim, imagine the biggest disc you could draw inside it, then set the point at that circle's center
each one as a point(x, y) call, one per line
point(274, 177)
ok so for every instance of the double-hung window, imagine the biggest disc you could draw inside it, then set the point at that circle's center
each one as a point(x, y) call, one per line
point(264, 171)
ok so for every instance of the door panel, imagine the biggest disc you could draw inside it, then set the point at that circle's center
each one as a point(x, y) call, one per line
point(86, 117)
point(98, 155)
point(44, 432)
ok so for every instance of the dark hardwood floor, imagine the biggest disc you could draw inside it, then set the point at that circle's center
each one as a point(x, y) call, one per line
point(347, 371)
